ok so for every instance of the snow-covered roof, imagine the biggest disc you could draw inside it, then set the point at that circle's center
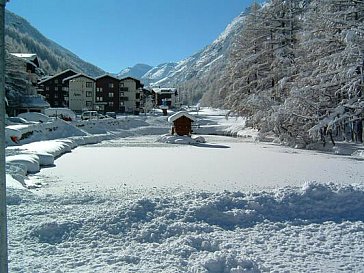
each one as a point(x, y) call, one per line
point(56, 75)
point(164, 90)
point(130, 78)
point(33, 101)
point(181, 114)
point(28, 57)
point(107, 75)
point(77, 76)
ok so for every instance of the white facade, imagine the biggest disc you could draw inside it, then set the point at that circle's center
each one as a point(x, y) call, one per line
point(81, 91)
point(129, 95)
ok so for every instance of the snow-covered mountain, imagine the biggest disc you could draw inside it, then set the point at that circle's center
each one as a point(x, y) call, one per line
point(159, 72)
point(137, 71)
point(199, 65)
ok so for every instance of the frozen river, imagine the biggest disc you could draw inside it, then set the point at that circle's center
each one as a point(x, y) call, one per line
point(135, 205)
point(223, 163)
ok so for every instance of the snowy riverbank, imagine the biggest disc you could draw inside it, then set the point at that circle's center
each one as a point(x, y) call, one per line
point(37, 145)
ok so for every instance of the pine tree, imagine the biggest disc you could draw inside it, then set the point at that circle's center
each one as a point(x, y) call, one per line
point(330, 63)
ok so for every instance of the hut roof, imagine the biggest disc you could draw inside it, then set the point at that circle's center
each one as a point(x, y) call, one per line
point(181, 114)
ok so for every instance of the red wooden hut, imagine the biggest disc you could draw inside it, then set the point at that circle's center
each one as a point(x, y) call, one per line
point(182, 123)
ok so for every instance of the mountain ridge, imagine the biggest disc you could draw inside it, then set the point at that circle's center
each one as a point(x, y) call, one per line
point(201, 71)
point(22, 37)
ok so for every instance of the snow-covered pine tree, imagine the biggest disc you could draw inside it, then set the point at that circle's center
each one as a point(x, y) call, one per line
point(263, 61)
point(330, 80)
point(249, 64)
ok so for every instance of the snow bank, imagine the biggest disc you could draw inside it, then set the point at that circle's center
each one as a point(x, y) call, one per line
point(42, 131)
point(358, 154)
point(29, 158)
point(29, 161)
point(175, 139)
point(33, 116)
point(312, 228)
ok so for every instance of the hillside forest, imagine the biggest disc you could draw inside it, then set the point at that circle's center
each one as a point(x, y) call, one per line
point(296, 70)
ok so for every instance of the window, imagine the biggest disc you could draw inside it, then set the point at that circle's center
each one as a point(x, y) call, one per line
point(89, 84)
point(56, 81)
point(99, 89)
point(111, 95)
point(121, 103)
point(56, 96)
point(99, 99)
point(111, 103)
point(88, 103)
point(88, 94)
point(121, 94)
point(126, 89)
point(111, 85)
point(47, 88)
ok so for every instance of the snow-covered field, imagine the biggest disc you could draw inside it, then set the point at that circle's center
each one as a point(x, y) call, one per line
point(130, 204)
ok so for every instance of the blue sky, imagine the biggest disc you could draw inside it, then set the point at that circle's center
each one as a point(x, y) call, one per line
point(114, 34)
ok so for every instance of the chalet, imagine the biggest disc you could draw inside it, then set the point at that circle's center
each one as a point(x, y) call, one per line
point(182, 123)
point(108, 94)
point(165, 97)
point(31, 60)
point(23, 98)
point(53, 90)
point(81, 92)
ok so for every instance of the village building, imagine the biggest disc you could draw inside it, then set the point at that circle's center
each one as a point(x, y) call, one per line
point(81, 92)
point(107, 94)
point(31, 65)
point(182, 123)
point(25, 68)
point(130, 90)
point(54, 91)
point(165, 97)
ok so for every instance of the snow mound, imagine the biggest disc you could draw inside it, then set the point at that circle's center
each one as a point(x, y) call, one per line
point(173, 231)
point(29, 161)
point(53, 232)
point(358, 154)
point(175, 139)
point(29, 158)
point(33, 116)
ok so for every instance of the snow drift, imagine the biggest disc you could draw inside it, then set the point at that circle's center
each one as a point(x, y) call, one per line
point(164, 231)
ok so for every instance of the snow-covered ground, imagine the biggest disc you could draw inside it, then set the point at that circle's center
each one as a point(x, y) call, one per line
point(131, 204)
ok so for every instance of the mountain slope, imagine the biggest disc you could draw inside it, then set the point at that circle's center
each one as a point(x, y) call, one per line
point(21, 37)
point(159, 72)
point(137, 71)
point(199, 76)
point(199, 73)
